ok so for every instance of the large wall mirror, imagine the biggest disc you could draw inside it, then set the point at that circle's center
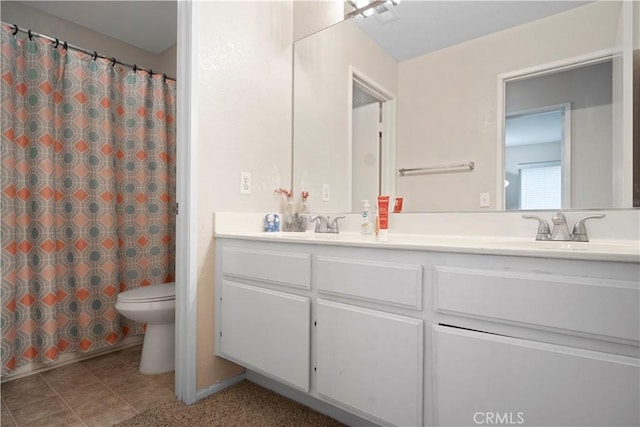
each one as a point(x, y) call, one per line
point(469, 106)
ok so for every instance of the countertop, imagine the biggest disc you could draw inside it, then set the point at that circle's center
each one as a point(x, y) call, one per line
point(595, 250)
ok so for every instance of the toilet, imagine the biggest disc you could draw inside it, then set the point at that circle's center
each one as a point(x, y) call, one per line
point(154, 305)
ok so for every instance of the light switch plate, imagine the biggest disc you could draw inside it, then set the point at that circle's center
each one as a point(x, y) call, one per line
point(325, 193)
point(484, 200)
point(245, 182)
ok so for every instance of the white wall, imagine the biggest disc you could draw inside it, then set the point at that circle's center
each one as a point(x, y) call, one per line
point(310, 16)
point(322, 107)
point(38, 21)
point(244, 124)
point(447, 109)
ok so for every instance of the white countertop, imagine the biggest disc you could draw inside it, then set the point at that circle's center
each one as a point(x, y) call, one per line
point(602, 250)
point(614, 238)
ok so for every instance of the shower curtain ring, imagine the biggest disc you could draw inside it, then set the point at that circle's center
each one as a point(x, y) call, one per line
point(113, 61)
point(15, 29)
point(30, 35)
point(150, 73)
point(164, 77)
point(57, 43)
point(95, 55)
point(65, 46)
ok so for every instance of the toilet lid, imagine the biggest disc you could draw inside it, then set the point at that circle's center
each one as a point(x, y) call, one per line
point(151, 293)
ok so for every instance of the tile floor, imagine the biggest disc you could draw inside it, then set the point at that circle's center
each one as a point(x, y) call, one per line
point(101, 391)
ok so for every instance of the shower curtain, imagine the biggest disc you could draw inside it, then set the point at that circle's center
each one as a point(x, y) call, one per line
point(87, 197)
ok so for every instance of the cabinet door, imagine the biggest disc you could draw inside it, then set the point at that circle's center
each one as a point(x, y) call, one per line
point(482, 378)
point(370, 361)
point(267, 331)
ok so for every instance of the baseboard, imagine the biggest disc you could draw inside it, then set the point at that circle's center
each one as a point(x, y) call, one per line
point(69, 358)
point(308, 400)
point(205, 392)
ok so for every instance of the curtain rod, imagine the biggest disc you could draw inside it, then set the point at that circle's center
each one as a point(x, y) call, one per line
point(93, 54)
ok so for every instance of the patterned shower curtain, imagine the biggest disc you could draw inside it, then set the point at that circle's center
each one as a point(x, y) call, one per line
point(87, 196)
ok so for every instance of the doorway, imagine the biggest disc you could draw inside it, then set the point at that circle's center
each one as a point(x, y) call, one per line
point(371, 141)
point(538, 158)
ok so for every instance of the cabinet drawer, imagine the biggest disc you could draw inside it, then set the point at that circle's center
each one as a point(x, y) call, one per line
point(283, 268)
point(596, 306)
point(389, 283)
point(479, 375)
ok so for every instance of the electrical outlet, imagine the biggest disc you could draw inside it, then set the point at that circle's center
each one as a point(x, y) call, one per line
point(325, 192)
point(245, 182)
point(484, 200)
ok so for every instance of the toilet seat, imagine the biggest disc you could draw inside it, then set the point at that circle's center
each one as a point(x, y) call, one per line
point(151, 293)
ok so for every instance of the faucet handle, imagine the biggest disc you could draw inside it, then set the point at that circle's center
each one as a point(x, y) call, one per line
point(333, 227)
point(322, 223)
point(580, 230)
point(543, 228)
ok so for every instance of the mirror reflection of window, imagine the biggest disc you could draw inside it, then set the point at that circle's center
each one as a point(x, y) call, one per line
point(540, 186)
point(536, 144)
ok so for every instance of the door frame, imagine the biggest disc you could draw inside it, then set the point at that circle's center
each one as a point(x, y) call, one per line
point(388, 149)
point(186, 191)
point(536, 71)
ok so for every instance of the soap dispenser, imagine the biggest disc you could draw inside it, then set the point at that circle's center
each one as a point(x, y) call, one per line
point(366, 227)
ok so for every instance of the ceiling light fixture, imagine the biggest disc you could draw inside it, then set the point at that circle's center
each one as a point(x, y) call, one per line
point(367, 7)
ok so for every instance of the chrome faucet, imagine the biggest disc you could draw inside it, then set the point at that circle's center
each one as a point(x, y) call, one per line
point(325, 225)
point(560, 231)
point(322, 223)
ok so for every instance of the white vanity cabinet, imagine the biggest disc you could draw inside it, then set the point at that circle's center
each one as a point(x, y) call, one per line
point(409, 337)
point(370, 361)
point(480, 376)
point(529, 365)
point(262, 328)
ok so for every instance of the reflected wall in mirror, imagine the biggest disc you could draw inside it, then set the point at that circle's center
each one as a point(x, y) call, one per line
point(446, 69)
point(560, 156)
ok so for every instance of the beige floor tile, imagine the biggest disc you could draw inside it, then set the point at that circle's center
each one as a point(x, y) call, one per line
point(131, 356)
point(62, 418)
point(120, 378)
point(75, 396)
point(6, 420)
point(143, 402)
point(102, 362)
point(130, 383)
point(69, 376)
point(25, 392)
point(115, 416)
point(46, 408)
point(167, 380)
point(144, 394)
point(92, 410)
point(112, 367)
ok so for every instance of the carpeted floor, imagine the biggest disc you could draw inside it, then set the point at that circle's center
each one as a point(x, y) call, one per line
point(244, 404)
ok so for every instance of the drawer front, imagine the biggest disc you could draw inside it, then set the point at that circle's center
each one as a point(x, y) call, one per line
point(478, 375)
point(282, 268)
point(389, 283)
point(596, 306)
